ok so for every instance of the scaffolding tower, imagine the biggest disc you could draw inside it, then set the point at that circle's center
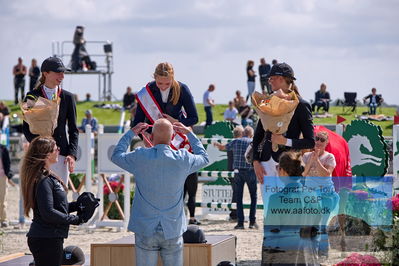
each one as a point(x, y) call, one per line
point(104, 71)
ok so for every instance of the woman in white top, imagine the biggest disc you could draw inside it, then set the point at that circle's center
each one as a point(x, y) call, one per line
point(319, 162)
point(319, 165)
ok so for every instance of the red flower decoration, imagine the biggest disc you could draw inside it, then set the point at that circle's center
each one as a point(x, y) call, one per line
point(359, 260)
point(393, 203)
point(113, 185)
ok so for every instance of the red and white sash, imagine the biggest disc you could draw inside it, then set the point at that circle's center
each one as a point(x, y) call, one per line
point(153, 112)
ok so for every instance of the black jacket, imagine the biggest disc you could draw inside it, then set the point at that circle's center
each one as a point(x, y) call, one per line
point(378, 98)
point(5, 158)
point(67, 114)
point(301, 122)
point(51, 218)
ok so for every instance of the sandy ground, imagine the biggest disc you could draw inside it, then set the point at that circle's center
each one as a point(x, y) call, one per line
point(249, 241)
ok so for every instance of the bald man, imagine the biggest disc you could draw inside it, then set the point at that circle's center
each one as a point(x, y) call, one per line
point(157, 217)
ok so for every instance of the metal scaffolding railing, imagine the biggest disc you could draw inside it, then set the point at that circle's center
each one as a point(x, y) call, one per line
point(103, 71)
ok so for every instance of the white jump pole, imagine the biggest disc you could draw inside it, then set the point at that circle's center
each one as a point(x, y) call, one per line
point(339, 129)
point(126, 191)
point(90, 156)
point(100, 193)
point(122, 120)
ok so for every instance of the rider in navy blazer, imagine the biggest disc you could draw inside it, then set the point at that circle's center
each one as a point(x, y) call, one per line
point(299, 134)
point(186, 100)
point(66, 115)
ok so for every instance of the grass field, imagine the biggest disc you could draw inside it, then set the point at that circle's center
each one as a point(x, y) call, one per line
point(111, 117)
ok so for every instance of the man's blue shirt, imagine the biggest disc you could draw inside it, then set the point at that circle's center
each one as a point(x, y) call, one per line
point(239, 146)
point(160, 173)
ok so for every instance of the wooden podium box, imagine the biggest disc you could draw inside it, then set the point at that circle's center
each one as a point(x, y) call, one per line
point(121, 252)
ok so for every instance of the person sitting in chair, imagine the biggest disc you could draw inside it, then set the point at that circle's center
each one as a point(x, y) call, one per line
point(322, 99)
point(375, 100)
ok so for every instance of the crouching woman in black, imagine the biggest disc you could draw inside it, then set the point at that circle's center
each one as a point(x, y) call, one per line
point(45, 193)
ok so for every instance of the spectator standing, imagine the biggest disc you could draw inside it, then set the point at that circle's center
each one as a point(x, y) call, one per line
point(49, 87)
point(208, 104)
point(264, 70)
point(34, 73)
point(375, 100)
point(129, 102)
point(157, 217)
point(89, 120)
point(5, 177)
point(322, 99)
point(250, 78)
point(19, 72)
point(244, 173)
point(274, 62)
point(230, 114)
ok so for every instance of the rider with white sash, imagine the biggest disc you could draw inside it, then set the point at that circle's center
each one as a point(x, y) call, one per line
point(166, 97)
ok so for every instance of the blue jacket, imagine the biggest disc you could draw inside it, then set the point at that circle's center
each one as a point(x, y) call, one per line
point(186, 100)
point(160, 173)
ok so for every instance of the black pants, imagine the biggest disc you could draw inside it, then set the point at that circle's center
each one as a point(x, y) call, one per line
point(190, 187)
point(209, 115)
point(46, 251)
point(19, 85)
point(32, 83)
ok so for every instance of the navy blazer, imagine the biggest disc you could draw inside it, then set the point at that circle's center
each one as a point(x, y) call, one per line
point(67, 114)
point(186, 100)
point(301, 123)
point(5, 158)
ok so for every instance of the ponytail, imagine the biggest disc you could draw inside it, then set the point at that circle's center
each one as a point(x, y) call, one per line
point(41, 82)
point(175, 92)
point(292, 85)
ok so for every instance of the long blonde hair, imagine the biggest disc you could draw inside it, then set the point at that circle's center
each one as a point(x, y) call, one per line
point(166, 70)
point(33, 167)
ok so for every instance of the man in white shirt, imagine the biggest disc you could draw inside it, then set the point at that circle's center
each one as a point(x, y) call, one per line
point(208, 104)
point(231, 113)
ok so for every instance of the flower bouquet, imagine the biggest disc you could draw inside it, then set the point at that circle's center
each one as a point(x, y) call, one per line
point(275, 111)
point(41, 114)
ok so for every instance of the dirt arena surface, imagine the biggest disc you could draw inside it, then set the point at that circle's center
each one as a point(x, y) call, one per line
point(249, 241)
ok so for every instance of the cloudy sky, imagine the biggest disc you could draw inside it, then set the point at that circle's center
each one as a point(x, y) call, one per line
point(351, 45)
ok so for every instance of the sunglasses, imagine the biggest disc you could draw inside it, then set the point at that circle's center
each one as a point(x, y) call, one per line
point(320, 139)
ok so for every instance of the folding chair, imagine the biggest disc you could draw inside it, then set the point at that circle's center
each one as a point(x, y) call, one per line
point(349, 102)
